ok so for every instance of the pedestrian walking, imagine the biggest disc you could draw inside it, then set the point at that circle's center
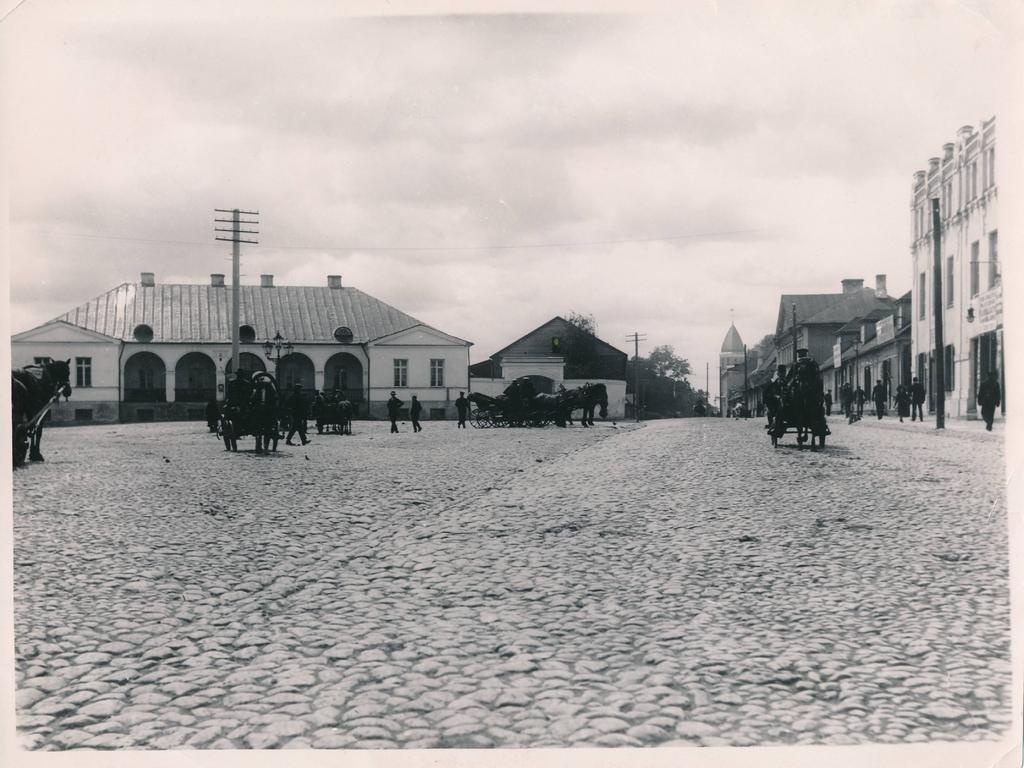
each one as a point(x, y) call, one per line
point(902, 402)
point(462, 408)
point(878, 395)
point(298, 411)
point(414, 412)
point(859, 398)
point(846, 398)
point(828, 402)
point(394, 405)
point(989, 397)
point(916, 399)
point(212, 415)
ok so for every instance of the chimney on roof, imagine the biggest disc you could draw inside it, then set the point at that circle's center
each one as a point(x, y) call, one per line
point(334, 281)
point(266, 281)
point(947, 151)
point(933, 164)
point(966, 132)
point(852, 285)
point(217, 280)
point(148, 280)
point(880, 286)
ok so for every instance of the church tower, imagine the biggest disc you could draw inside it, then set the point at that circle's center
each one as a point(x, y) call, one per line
point(731, 354)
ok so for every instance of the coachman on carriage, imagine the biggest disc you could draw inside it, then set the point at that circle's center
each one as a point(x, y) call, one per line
point(795, 402)
point(332, 412)
point(34, 390)
point(252, 407)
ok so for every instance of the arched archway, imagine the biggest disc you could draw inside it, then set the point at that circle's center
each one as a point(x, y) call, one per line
point(145, 378)
point(344, 371)
point(541, 384)
point(296, 368)
point(195, 378)
point(247, 361)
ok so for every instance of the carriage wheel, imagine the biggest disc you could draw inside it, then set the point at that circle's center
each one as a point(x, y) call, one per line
point(475, 419)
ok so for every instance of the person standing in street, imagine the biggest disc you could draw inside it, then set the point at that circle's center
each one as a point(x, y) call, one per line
point(989, 396)
point(878, 395)
point(462, 408)
point(902, 402)
point(916, 399)
point(414, 412)
point(846, 398)
point(298, 411)
point(859, 397)
point(828, 402)
point(394, 405)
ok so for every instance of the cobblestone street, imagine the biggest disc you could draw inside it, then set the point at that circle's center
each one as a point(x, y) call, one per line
point(676, 583)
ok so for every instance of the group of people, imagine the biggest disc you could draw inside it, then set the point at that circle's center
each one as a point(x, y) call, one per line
point(394, 406)
point(909, 401)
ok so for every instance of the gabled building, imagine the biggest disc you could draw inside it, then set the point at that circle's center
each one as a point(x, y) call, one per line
point(147, 351)
point(554, 353)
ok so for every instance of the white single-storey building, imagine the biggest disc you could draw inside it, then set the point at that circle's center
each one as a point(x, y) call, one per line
point(147, 351)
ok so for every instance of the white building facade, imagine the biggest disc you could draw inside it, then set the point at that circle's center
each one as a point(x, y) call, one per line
point(964, 180)
point(152, 352)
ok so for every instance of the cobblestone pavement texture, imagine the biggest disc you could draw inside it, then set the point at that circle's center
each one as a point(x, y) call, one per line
point(679, 583)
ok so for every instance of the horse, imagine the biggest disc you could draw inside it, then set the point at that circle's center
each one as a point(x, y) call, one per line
point(333, 413)
point(264, 402)
point(587, 398)
point(551, 407)
point(805, 408)
point(33, 390)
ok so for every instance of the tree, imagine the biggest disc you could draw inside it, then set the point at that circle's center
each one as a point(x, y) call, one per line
point(666, 363)
point(765, 346)
point(580, 349)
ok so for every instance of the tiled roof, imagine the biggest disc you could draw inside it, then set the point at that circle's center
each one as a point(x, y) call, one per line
point(202, 313)
point(860, 303)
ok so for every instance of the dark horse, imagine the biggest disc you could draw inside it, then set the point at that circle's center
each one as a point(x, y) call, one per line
point(33, 390)
point(333, 413)
point(587, 398)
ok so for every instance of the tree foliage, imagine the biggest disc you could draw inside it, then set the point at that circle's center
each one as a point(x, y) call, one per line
point(586, 323)
point(580, 350)
point(664, 392)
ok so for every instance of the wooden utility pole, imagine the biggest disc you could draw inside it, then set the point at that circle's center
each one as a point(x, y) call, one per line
point(940, 352)
point(707, 386)
point(746, 405)
point(636, 337)
point(795, 334)
point(236, 239)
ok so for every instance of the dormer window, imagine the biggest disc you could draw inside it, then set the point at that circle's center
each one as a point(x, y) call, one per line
point(247, 334)
point(143, 333)
point(343, 334)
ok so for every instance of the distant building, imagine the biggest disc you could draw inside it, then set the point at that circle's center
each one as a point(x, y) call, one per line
point(964, 181)
point(554, 353)
point(147, 352)
point(730, 369)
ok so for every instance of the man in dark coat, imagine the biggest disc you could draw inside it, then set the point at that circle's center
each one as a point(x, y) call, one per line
point(878, 395)
point(846, 398)
point(415, 409)
point(212, 414)
point(916, 400)
point(828, 402)
point(859, 398)
point(989, 396)
point(462, 407)
point(902, 401)
point(394, 405)
point(298, 411)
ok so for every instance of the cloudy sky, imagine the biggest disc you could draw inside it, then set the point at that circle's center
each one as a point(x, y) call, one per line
point(486, 172)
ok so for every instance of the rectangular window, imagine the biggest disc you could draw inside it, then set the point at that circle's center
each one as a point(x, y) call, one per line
point(401, 373)
point(83, 371)
point(947, 200)
point(990, 160)
point(437, 373)
point(948, 367)
point(972, 180)
point(83, 414)
point(975, 268)
point(922, 293)
point(42, 360)
point(947, 289)
point(438, 414)
point(993, 259)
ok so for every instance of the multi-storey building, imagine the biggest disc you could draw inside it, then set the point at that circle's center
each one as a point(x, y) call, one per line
point(964, 182)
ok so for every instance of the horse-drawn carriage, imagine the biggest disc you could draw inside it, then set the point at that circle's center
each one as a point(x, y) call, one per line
point(520, 406)
point(252, 407)
point(34, 391)
point(796, 403)
point(333, 412)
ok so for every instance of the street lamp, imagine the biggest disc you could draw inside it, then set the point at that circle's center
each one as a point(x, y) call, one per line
point(273, 349)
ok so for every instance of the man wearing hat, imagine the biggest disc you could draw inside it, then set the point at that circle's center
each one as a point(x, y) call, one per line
point(394, 404)
point(298, 410)
point(462, 408)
